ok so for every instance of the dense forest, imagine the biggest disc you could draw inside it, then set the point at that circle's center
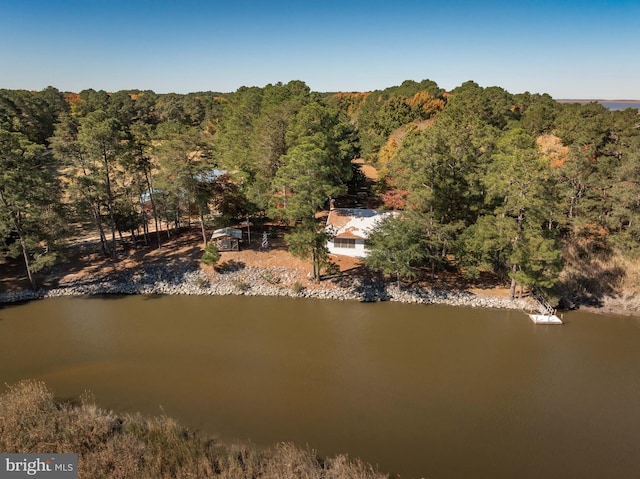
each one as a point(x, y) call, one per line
point(519, 185)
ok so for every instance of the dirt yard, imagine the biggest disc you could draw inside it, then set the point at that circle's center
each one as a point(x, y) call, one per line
point(83, 259)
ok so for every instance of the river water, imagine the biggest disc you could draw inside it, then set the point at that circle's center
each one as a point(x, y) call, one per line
point(420, 391)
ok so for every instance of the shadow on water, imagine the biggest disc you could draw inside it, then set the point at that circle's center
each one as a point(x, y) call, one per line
point(104, 296)
point(148, 297)
point(15, 304)
point(116, 296)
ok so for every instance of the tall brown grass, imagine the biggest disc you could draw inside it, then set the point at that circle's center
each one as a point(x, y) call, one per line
point(597, 275)
point(132, 446)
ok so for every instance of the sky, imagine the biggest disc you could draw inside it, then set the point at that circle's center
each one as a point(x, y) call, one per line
point(585, 49)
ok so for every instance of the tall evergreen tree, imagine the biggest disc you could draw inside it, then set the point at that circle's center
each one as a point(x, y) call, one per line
point(85, 185)
point(303, 185)
point(30, 219)
point(516, 238)
point(185, 166)
point(101, 137)
point(396, 248)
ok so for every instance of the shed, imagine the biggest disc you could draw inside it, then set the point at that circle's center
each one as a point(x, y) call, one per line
point(227, 239)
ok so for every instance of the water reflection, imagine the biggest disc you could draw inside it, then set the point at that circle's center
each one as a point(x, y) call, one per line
point(420, 391)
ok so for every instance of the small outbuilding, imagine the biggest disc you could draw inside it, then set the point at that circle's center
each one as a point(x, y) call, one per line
point(227, 239)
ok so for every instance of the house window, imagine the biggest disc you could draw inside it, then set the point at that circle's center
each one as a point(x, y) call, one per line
point(344, 243)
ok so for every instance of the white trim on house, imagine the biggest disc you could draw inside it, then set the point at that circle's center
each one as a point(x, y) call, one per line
point(350, 228)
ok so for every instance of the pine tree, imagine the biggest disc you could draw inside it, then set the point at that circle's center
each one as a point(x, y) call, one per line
point(30, 216)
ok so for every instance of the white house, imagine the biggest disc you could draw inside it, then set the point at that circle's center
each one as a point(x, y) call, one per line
point(350, 228)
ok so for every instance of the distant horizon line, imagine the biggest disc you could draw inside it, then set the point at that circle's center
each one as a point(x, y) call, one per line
point(560, 100)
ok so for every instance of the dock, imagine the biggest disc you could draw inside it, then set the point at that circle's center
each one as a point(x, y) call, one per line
point(547, 312)
point(545, 319)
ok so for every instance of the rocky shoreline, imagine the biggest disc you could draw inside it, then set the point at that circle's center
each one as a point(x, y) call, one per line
point(250, 281)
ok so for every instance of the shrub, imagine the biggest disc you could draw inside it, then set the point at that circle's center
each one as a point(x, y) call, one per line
point(241, 285)
point(222, 268)
point(200, 282)
point(269, 277)
point(332, 270)
point(297, 287)
point(211, 255)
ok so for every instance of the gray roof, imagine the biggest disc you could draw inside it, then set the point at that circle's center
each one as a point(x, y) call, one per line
point(222, 232)
point(209, 176)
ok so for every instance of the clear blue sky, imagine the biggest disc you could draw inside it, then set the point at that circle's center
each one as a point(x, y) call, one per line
point(569, 49)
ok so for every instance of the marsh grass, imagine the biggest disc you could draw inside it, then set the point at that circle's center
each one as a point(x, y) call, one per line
point(133, 446)
point(597, 275)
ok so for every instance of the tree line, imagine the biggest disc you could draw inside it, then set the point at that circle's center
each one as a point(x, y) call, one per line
point(513, 184)
point(492, 181)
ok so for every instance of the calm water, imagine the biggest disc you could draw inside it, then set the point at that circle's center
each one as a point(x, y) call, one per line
point(422, 391)
point(610, 104)
point(620, 105)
